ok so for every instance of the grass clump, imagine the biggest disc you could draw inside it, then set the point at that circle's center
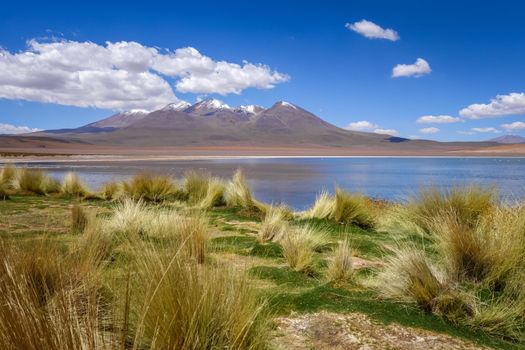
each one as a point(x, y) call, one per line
point(111, 191)
point(352, 209)
point(299, 246)
point(73, 186)
point(79, 219)
point(322, 208)
point(150, 188)
point(274, 224)
point(203, 190)
point(340, 268)
point(50, 300)
point(238, 193)
point(190, 306)
point(8, 177)
point(34, 181)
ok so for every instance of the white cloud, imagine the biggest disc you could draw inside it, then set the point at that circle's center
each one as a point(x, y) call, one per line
point(122, 75)
point(420, 68)
point(437, 119)
point(493, 130)
point(372, 30)
point(13, 129)
point(361, 125)
point(502, 105)
point(513, 126)
point(387, 132)
point(431, 130)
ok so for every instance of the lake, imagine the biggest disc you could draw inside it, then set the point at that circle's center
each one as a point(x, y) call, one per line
point(297, 181)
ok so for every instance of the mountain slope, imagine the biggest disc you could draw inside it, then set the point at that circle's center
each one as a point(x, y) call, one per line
point(213, 123)
point(509, 139)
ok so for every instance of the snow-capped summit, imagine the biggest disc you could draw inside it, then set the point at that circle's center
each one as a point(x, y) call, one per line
point(134, 112)
point(287, 104)
point(177, 106)
point(250, 109)
point(211, 103)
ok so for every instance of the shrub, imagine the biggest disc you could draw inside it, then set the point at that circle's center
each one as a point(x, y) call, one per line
point(299, 245)
point(352, 209)
point(190, 306)
point(274, 224)
point(340, 268)
point(322, 208)
point(150, 188)
point(73, 186)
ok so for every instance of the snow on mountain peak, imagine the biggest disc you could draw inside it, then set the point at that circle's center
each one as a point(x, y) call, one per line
point(212, 104)
point(177, 106)
point(135, 111)
point(287, 104)
point(252, 109)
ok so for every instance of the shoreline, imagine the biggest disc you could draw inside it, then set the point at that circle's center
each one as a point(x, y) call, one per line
point(154, 158)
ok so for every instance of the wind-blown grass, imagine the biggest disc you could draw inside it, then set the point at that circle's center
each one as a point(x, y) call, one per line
point(352, 209)
point(73, 186)
point(299, 246)
point(150, 188)
point(203, 190)
point(238, 193)
point(111, 191)
point(190, 306)
point(340, 267)
point(322, 208)
point(274, 224)
point(79, 219)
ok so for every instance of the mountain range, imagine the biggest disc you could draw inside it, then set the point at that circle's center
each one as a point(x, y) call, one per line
point(211, 127)
point(509, 139)
point(212, 123)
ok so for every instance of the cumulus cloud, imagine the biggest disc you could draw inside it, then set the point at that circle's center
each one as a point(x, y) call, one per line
point(372, 31)
point(437, 119)
point(392, 132)
point(122, 75)
point(502, 105)
point(430, 130)
point(466, 132)
point(493, 130)
point(361, 125)
point(10, 129)
point(420, 68)
point(513, 126)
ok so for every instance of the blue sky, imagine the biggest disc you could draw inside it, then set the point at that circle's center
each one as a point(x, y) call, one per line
point(298, 51)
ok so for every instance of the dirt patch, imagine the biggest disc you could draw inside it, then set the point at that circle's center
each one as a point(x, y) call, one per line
point(357, 331)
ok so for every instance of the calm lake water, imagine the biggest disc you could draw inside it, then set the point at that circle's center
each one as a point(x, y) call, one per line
point(297, 181)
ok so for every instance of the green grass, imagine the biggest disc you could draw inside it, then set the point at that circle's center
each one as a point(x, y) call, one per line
point(26, 220)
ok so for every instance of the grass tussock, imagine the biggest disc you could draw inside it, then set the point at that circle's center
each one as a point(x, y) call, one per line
point(322, 208)
point(238, 192)
point(470, 271)
point(203, 190)
point(73, 186)
point(274, 224)
point(50, 300)
point(352, 209)
point(150, 188)
point(299, 246)
point(8, 177)
point(190, 306)
point(340, 267)
point(111, 191)
point(79, 219)
point(35, 181)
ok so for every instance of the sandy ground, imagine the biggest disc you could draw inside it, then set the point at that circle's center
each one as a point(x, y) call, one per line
point(355, 331)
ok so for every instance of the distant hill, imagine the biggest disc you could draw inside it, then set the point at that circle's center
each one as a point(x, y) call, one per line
point(509, 139)
point(213, 123)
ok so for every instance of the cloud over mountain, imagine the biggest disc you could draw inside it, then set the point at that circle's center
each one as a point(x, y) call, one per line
point(8, 129)
point(502, 105)
point(121, 75)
